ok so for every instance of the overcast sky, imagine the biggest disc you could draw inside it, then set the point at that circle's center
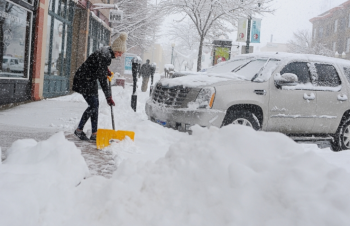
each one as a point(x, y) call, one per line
point(289, 16)
point(292, 15)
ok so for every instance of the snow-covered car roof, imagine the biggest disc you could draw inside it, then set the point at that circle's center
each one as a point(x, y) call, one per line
point(198, 79)
point(293, 56)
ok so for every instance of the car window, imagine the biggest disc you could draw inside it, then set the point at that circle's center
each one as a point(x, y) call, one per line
point(327, 75)
point(266, 72)
point(347, 73)
point(16, 61)
point(4, 60)
point(300, 69)
point(251, 69)
point(227, 67)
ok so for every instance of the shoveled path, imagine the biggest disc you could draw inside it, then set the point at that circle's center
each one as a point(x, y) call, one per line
point(100, 162)
point(40, 120)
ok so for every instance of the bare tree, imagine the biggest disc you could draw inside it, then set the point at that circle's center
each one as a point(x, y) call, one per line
point(140, 20)
point(185, 35)
point(214, 15)
point(302, 43)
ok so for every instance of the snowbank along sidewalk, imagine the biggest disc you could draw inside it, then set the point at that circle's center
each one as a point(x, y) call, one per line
point(214, 177)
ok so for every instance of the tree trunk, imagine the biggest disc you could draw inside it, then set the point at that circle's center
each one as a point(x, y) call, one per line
point(200, 51)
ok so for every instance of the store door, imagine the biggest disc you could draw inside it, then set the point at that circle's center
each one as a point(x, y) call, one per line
point(58, 48)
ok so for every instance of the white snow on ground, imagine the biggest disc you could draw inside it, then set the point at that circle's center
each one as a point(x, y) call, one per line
point(213, 177)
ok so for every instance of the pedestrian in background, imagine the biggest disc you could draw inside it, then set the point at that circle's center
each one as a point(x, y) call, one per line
point(153, 70)
point(146, 72)
point(85, 82)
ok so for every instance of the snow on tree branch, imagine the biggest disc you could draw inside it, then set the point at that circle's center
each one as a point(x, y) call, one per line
point(302, 43)
point(141, 20)
point(210, 16)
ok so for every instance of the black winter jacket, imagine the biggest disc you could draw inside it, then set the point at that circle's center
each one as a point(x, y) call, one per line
point(93, 69)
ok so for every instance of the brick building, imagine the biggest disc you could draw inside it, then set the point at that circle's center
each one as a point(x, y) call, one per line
point(43, 42)
point(332, 28)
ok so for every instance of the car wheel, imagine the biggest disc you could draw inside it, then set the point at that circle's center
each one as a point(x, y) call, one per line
point(341, 140)
point(245, 118)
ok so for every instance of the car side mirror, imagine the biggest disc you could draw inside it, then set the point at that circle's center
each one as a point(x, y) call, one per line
point(287, 79)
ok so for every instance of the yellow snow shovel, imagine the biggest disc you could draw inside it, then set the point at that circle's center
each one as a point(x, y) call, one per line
point(106, 136)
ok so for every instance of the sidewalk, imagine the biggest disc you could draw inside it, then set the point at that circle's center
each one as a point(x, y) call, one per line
point(40, 120)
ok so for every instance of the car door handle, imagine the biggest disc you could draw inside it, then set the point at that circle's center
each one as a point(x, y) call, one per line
point(342, 97)
point(310, 96)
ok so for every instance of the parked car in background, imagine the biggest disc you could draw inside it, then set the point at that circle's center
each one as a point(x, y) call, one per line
point(12, 64)
point(303, 96)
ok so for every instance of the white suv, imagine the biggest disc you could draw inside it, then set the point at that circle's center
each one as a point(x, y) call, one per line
point(303, 96)
point(12, 64)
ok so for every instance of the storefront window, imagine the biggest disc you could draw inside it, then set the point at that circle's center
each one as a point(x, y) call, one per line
point(57, 51)
point(98, 35)
point(47, 60)
point(15, 29)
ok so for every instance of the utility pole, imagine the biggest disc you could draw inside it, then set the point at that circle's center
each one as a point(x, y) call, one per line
point(248, 35)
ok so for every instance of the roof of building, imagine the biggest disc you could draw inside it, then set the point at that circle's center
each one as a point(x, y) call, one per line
point(275, 47)
point(331, 12)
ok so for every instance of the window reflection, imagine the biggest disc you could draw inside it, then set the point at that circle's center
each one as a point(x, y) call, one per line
point(14, 34)
point(57, 59)
point(47, 60)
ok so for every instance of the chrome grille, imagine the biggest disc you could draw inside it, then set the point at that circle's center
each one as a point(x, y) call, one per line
point(170, 96)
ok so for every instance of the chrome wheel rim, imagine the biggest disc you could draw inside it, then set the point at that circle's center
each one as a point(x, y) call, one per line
point(245, 122)
point(346, 137)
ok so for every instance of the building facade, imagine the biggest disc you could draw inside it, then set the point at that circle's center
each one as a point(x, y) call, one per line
point(43, 42)
point(332, 28)
point(155, 55)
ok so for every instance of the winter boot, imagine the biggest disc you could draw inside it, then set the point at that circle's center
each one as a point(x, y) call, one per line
point(81, 135)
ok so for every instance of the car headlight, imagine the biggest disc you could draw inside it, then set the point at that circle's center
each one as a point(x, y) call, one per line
point(205, 98)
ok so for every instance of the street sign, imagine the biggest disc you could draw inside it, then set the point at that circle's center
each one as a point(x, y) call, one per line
point(115, 16)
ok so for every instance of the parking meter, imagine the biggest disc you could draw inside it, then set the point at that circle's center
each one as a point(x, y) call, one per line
point(136, 62)
point(153, 70)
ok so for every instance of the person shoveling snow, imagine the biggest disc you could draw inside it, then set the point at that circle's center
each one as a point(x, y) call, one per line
point(85, 82)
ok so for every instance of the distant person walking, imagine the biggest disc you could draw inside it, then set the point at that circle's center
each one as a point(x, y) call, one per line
point(146, 72)
point(85, 82)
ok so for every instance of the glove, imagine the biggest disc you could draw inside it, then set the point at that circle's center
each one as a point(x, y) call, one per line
point(110, 101)
point(109, 73)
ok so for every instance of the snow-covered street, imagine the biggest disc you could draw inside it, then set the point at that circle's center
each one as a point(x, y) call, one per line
point(213, 177)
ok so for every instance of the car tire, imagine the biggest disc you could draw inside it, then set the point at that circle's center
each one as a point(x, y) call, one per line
point(242, 117)
point(341, 140)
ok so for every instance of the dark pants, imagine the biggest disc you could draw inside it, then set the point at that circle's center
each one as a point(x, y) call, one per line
point(90, 112)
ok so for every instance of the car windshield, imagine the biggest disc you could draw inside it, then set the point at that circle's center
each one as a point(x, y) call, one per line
point(4, 60)
point(258, 70)
point(228, 66)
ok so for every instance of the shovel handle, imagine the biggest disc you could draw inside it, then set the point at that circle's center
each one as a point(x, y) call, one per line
point(112, 114)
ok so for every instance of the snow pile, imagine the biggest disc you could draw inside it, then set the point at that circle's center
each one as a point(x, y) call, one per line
point(33, 178)
point(169, 67)
point(228, 176)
